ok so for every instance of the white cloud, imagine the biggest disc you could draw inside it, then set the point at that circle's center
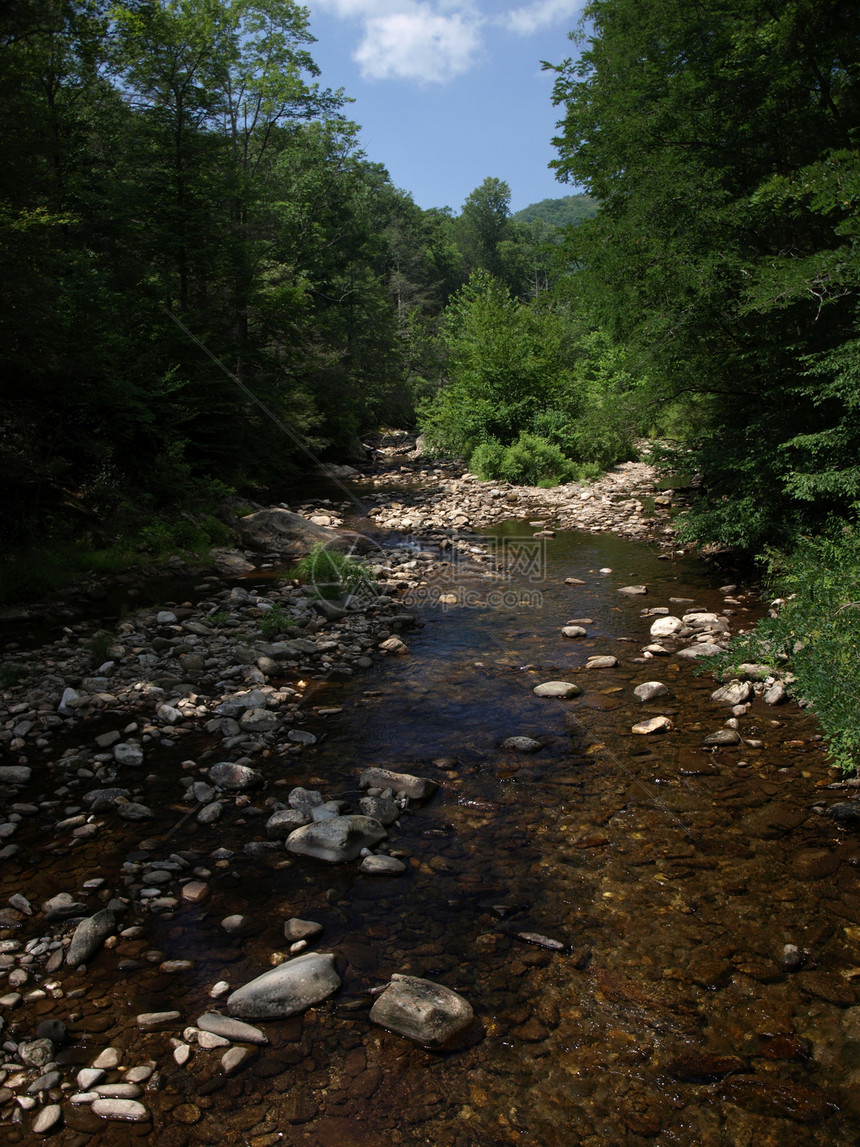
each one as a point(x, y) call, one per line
point(433, 41)
point(422, 45)
point(530, 18)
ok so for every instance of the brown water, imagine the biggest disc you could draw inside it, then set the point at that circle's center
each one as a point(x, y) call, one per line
point(673, 875)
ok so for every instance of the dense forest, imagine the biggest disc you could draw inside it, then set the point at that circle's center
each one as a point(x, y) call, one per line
point(204, 278)
point(202, 273)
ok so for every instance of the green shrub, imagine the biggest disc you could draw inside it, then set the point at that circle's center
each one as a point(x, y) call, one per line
point(275, 622)
point(529, 461)
point(487, 460)
point(332, 573)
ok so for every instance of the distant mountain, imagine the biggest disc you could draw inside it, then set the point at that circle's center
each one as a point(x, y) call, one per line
point(559, 212)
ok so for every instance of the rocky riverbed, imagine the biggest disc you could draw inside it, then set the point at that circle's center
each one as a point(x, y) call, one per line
point(284, 869)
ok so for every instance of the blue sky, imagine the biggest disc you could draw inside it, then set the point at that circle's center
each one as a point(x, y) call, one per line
point(448, 92)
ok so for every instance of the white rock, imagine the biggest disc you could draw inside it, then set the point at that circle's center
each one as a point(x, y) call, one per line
point(666, 626)
point(648, 690)
point(563, 689)
point(654, 725)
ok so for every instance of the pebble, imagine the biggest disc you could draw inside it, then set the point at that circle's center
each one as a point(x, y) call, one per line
point(149, 1021)
point(230, 1029)
point(48, 1119)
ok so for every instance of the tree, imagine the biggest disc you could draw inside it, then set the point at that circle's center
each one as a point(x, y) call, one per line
point(699, 128)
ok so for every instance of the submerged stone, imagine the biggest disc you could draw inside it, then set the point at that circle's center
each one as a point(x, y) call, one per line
point(428, 1013)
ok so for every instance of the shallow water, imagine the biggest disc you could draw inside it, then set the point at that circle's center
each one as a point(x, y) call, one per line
point(672, 875)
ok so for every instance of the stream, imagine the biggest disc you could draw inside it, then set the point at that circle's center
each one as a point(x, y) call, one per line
point(615, 907)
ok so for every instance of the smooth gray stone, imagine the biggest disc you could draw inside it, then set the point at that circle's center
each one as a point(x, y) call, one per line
point(123, 1110)
point(89, 936)
point(234, 1030)
point(48, 1119)
point(337, 840)
point(562, 689)
point(701, 649)
point(428, 1013)
point(290, 988)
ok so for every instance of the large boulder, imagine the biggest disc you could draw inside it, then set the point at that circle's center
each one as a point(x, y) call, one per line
point(337, 840)
point(286, 990)
point(428, 1013)
point(284, 532)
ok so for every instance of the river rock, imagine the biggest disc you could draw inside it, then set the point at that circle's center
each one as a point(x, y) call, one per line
point(122, 1110)
point(231, 1029)
point(654, 725)
point(234, 777)
point(776, 694)
point(48, 1119)
point(382, 866)
point(522, 745)
point(601, 662)
point(416, 788)
point(128, 753)
point(283, 532)
point(423, 1011)
point(735, 693)
point(574, 631)
point(296, 929)
point(258, 721)
point(337, 840)
point(290, 988)
point(89, 936)
point(666, 626)
point(700, 649)
point(36, 1052)
point(648, 690)
point(846, 813)
point(562, 689)
point(286, 820)
point(723, 737)
point(15, 774)
point(634, 590)
point(383, 809)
